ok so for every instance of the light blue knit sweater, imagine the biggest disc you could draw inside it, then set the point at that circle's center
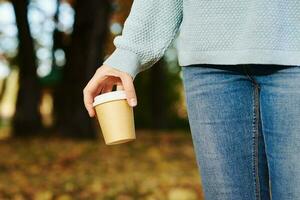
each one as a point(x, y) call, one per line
point(209, 31)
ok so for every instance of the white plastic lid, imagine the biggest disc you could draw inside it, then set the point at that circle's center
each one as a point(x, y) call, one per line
point(109, 96)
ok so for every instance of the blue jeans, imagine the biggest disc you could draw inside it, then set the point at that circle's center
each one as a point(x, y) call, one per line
point(245, 126)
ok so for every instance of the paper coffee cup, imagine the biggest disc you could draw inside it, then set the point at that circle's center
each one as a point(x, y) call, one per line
point(115, 117)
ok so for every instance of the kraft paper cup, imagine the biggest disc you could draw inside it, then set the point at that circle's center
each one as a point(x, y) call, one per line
point(115, 117)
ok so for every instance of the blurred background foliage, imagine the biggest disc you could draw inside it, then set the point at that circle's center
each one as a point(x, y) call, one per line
point(49, 147)
point(49, 49)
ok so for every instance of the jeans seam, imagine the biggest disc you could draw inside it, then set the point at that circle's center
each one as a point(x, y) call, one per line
point(250, 77)
point(255, 141)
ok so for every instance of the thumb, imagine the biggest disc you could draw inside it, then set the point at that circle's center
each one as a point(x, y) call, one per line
point(129, 90)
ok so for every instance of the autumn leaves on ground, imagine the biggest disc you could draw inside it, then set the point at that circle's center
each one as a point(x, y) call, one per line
point(156, 166)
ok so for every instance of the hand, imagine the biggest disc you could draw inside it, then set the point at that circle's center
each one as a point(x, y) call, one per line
point(103, 81)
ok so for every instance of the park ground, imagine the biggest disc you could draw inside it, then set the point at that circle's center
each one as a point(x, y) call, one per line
point(156, 166)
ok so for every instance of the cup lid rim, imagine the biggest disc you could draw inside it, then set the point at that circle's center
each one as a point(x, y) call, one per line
point(109, 96)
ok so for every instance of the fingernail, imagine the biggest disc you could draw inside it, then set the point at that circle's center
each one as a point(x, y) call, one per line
point(133, 102)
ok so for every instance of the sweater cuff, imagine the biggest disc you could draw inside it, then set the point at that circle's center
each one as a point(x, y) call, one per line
point(125, 61)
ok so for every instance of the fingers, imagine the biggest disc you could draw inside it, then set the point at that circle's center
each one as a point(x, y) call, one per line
point(129, 90)
point(128, 85)
point(103, 81)
point(93, 87)
point(125, 84)
point(108, 86)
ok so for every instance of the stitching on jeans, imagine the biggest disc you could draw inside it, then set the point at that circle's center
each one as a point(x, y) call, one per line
point(250, 77)
point(255, 140)
point(256, 118)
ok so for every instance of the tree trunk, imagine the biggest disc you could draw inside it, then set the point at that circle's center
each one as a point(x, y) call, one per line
point(157, 95)
point(58, 43)
point(27, 119)
point(84, 56)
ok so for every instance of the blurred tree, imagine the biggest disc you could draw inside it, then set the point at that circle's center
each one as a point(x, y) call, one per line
point(60, 41)
point(27, 119)
point(83, 57)
point(158, 92)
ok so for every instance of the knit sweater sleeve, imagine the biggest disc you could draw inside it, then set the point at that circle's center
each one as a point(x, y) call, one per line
point(148, 31)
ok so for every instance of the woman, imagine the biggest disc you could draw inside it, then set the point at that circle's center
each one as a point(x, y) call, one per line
point(241, 73)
